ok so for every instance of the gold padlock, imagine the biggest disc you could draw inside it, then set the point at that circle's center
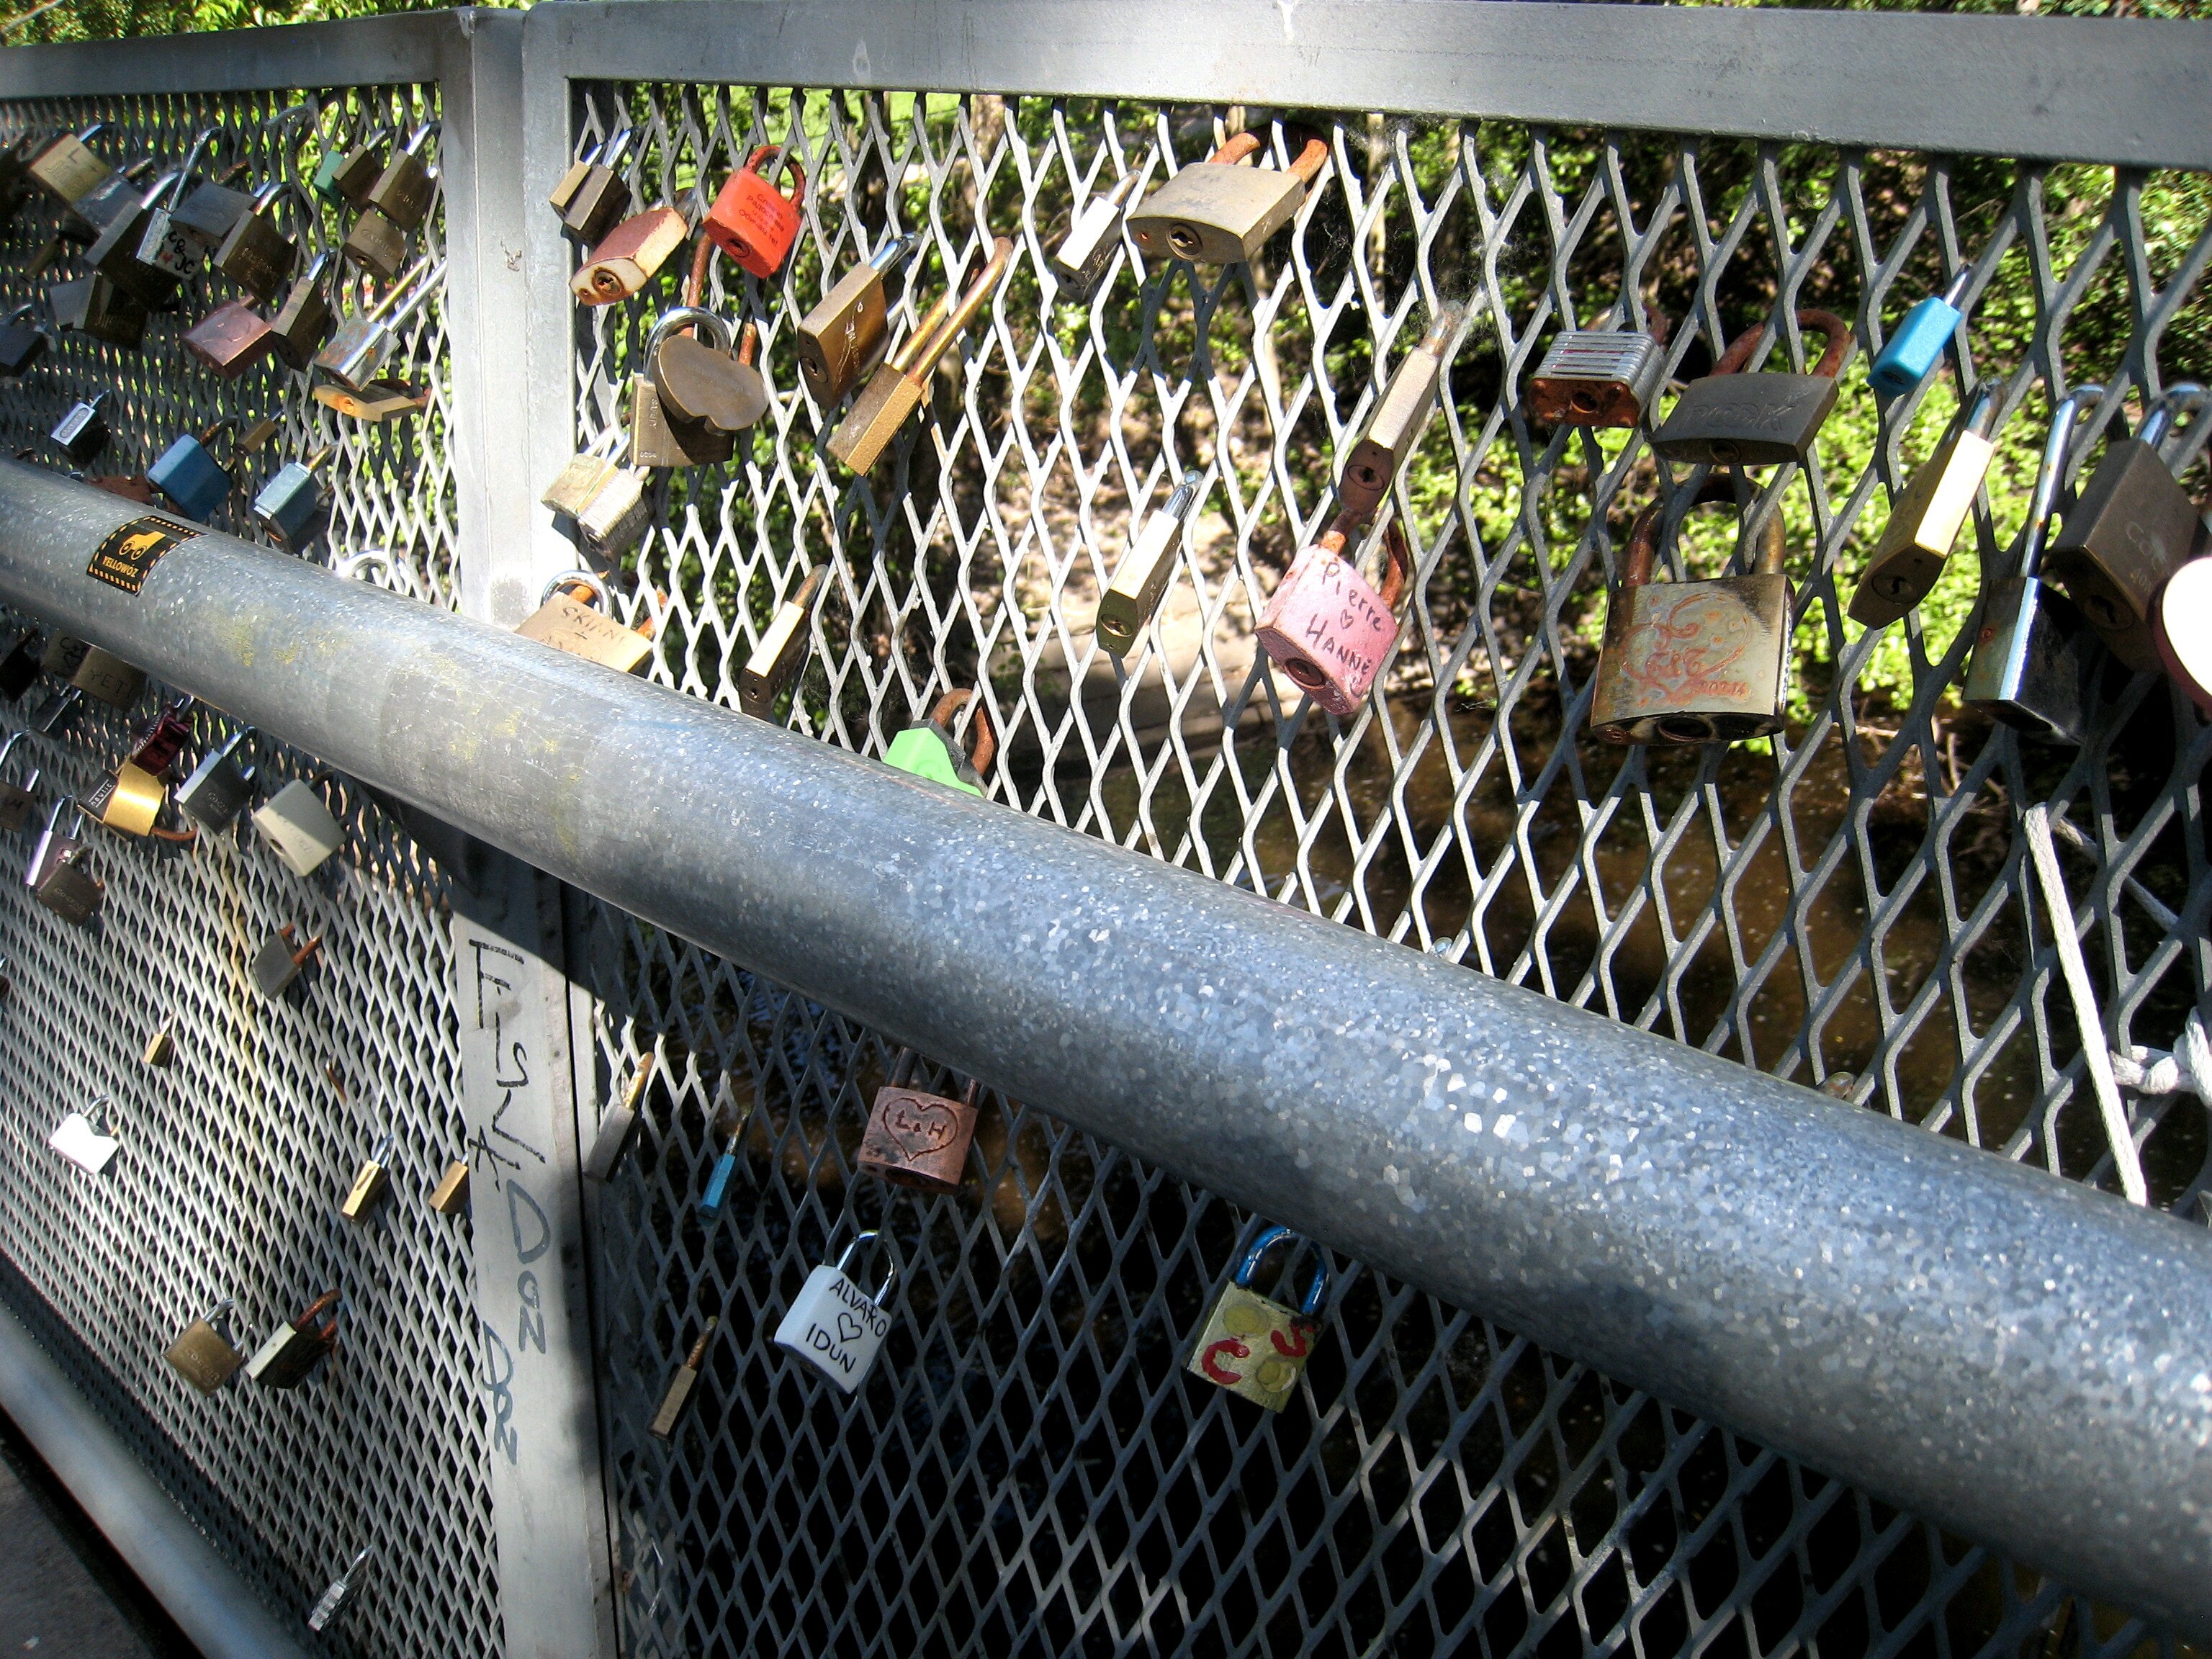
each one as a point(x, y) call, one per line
point(130, 801)
point(451, 1196)
point(566, 623)
point(370, 1185)
point(202, 1353)
point(775, 661)
point(1398, 420)
point(1254, 1345)
point(162, 1047)
point(890, 399)
point(680, 1385)
point(1141, 579)
point(1925, 519)
point(1215, 212)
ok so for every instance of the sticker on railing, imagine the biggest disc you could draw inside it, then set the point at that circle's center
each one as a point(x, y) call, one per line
point(123, 560)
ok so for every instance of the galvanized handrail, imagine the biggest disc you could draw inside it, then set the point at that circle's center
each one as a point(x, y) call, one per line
point(2004, 1353)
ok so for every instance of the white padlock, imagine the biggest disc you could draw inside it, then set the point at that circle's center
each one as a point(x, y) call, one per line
point(835, 1326)
point(299, 827)
point(79, 1139)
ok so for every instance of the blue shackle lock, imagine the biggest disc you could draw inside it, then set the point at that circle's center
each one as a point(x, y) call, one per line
point(290, 506)
point(188, 475)
point(1268, 1238)
point(1917, 345)
point(718, 1185)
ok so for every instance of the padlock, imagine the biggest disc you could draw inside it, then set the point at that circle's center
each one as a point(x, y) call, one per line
point(370, 1185)
point(95, 307)
point(375, 244)
point(2181, 626)
point(680, 1385)
point(160, 1049)
point(451, 1196)
point(64, 702)
point(930, 750)
point(1730, 418)
point(295, 1349)
point(592, 195)
point(130, 486)
point(219, 787)
point(22, 343)
point(619, 1126)
point(1086, 253)
point(170, 240)
point(1917, 345)
point(120, 195)
point(566, 623)
point(835, 1326)
point(2034, 658)
point(724, 1171)
point(129, 800)
point(257, 255)
point(775, 661)
point(1326, 627)
point(900, 386)
point(605, 499)
point(629, 256)
point(697, 383)
point(1924, 520)
point(19, 665)
point(64, 656)
point(345, 177)
point(751, 221)
point(54, 841)
point(299, 827)
point(1254, 1345)
point(68, 168)
point(84, 1137)
point(158, 743)
point(842, 338)
point(232, 339)
point(658, 437)
point(1592, 378)
point(1215, 212)
point(404, 193)
point(303, 322)
point(83, 432)
point(16, 185)
point(211, 209)
point(1695, 661)
point(376, 402)
point(290, 507)
point(115, 251)
point(108, 678)
point(15, 799)
point(2129, 532)
point(916, 1139)
point(278, 962)
point(202, 1353)
point(1396, 425)
point(190, 476)
point(71, 891)
point(1141, 579)
point(339, 1593)
point(356, 351)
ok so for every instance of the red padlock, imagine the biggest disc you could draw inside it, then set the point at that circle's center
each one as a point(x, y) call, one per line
point(751, 220)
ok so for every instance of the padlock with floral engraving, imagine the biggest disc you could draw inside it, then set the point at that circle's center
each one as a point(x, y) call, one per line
point(834, 1325)
point(1254, 1345)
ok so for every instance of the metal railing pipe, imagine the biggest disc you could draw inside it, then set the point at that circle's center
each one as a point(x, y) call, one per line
point(2020, 1359)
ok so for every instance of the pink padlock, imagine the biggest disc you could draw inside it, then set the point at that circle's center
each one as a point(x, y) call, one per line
point(1327, 629)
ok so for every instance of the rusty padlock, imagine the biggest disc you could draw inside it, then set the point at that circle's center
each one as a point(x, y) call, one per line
point(751, 221)
point(916, 1139)
point(1326, 627)
point(630, 257)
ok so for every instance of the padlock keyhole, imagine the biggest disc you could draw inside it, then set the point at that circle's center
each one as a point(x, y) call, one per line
point(1583, 402)
point(1306, 672)
point(1688, 728)
point(1184, 240)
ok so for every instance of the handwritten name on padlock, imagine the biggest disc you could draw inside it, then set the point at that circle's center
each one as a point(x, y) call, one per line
point(1682, 647)
point(834, 1326)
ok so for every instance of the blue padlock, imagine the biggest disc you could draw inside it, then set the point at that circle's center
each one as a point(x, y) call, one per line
point(188, 475)
point(1917, 345)
point(718, 1186)
point(290, 506)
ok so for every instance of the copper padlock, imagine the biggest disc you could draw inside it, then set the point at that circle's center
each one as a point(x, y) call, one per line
point(630, 257)
point(231, 339)
point(751, 221)
point(1396, 425)
point(916, 1139)
point(775, 661)
point(566, 623)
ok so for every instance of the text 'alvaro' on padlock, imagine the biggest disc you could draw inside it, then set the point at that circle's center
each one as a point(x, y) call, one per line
point(835, 1326)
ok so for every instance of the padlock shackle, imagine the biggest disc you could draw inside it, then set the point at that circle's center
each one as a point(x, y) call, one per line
point(790, 164)
point(641, 1078)
point(1831, 328)
point(200, 143)
point(982, 742)
point(1268, 1238)
point(890, 1269)
point(1955, 291)
point(748, 343)
point(1182, 498)
point(903, 358)
point(1442, 327)
point(420, 135)
point(1309, 161)
point(1984, 408)
point(1719, 486)
point(1397, 565)
point(27, 308)
point(2080, 401)
point(2182, 397)
point(326, 1303)
point(702, 261)
point(352, 564)
point(608, 152)
point(1239, 146)
point(697, 1357)
point(579, 579)
point(893, 254)
point(717, 329)
point(955, 322)
point(423, 271)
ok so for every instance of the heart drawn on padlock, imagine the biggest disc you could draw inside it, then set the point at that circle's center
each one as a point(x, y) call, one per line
point(921, 1127)
point(849, 1328)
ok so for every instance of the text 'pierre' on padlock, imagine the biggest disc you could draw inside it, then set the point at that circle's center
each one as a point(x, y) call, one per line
point(1732, 418)
point(1252, 1345)
point(1925, 519)
point(618, 1128)
point(753, 222)
point(1918, 346)
point(680, 1385)
point(901, 386)
point(190, 477)
point(1695, 661)
point(2132, 527)
point(1141, 579)
point(370, 1184)
point(15, 799)
point(1086, 253)
point(294, 1350)
point(930, 750)
point(775, 661)
point(22, 342)
point(916, 1139)
point(219, 786)
point(202, 1353)
point(290, 506)
point(1215, 212)
point(841, 339)
point(1591, 377)
point(837, 1327)
point(604, 499)
point(1396, 427)
point(592, 196)
point(1326, 627)
point(358, 347)
point(567, 624)
point(84, 1137)
point(81, 431)
point(299, 827)
point(327, 1606)
point(2034, 657)
point(630, 256)
point(279, 960)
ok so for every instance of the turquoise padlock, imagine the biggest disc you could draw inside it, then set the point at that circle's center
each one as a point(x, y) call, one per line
point(188, 475)
point(718, 1185)
point(1917, 345)
point(930, 750)
point(290, 506)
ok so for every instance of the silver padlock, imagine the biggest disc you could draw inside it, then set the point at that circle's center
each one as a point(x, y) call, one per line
point(84, 1139)
point(338, 1594)
point(219, 787)
point(299, 827)
point(835, 1326)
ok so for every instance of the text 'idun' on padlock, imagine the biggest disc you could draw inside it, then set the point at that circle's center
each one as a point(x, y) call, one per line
point(1252, 1345)
point(834, 1325)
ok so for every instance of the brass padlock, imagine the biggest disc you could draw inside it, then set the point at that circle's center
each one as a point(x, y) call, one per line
point(451, 1196)
point(370, 1185)
point(129, 800)
point(278, 962)
point(346, 176)
point(916, 1139)
point(68, 168)
point(232, 339)
point(299, 827)
point(2034, 659)
point(1695, 661)
point(658, 437)
point(566, 623)
point(1141, 579)
point(1593, 378)
point(96, 306)
point(303, 322)
point(592, 196)
point(842, 338)
point(1730, 418)
point(69, 890)
point(108, 678)
point(2129, 532)
point(1396, 424)
point(630, 256)
point(258, 255)
point(605, 499)
point(1215, 212)
point(160, 1049)
point(696, 382)
point(619, 1126)
point(376, 402)
point(1925, 519)
point(202, 1353)
point(375, 244)
point(901, 386)
point(680, 1385)
point(1254, 1345)
point(775, 661)
point(404, 192)
point(1086, 253)
point(294, 1350)
point(15, 799)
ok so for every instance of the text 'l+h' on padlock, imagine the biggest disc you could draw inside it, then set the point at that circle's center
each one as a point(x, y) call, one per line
point(916, 1139)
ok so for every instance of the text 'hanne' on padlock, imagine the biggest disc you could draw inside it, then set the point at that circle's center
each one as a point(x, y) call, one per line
point(1695, 661)
point(297, 824)
point(618, 1128)
point(15, 799)
point(1918, 346)
point(1593, 377)
point(567, 624)
point(370, 1184)
point(1733, 418)
point(295, 1349)
point(2033, 656)
point(202, 1353)
point(834, 1325)
point(680, 1385)
point(1080, 263)
point(1252, 1345)
point(2131, 528)
point(841, 339)
point(1396, 427)
point(1925, 519)
point(1215, 212)
point(916, 1139)
point(1325, 629)
point(592, 195)
point(1141, 579)
point(930, 750)
point(219, 786)
point(340, 1592)
point(279, 960)
point(775, 661)
point(753, 222)
point(86, 1139)
point(901, 386)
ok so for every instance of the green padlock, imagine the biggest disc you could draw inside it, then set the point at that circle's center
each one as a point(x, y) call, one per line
point(930, 750)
